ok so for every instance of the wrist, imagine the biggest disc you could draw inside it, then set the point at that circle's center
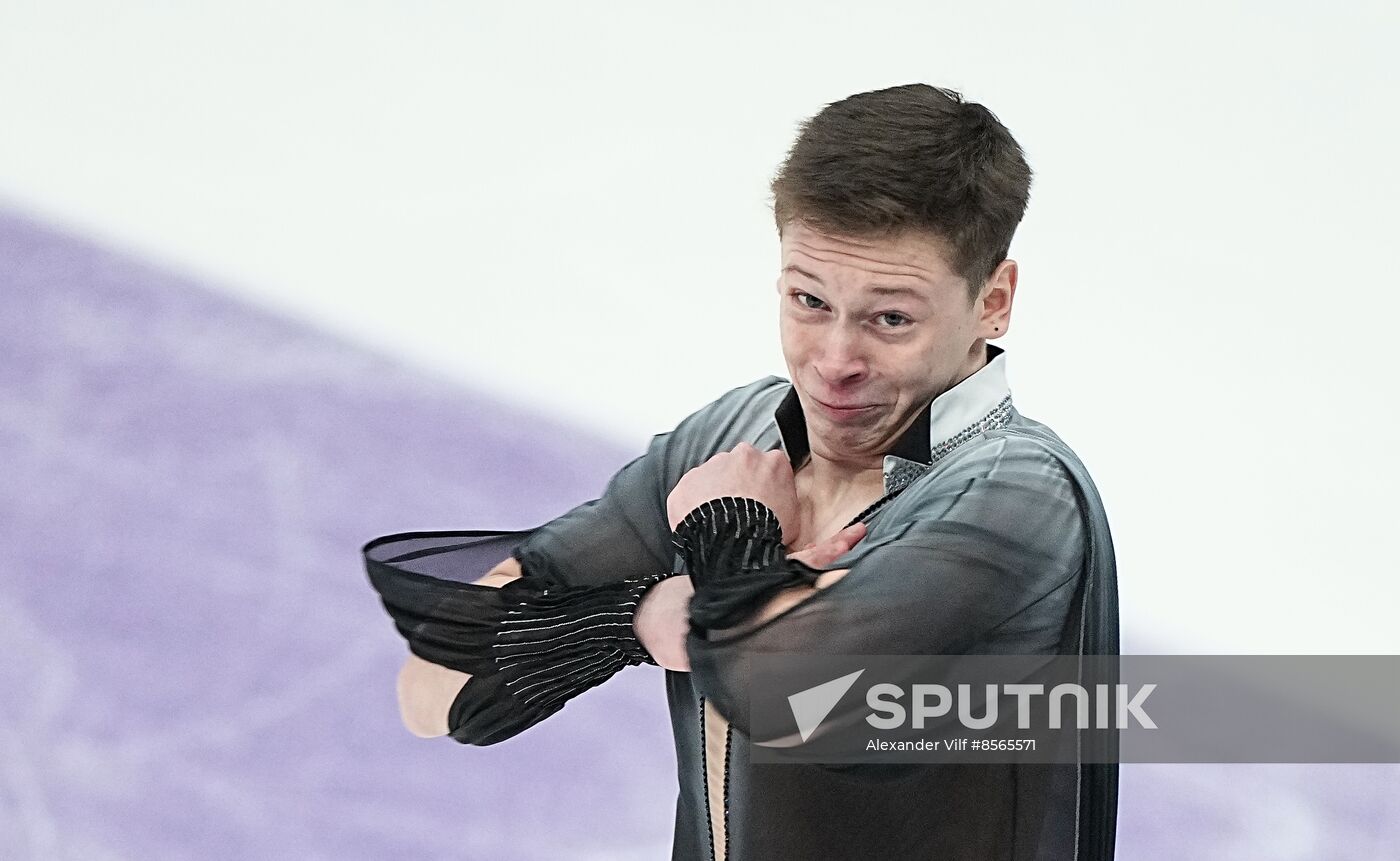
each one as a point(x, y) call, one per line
point(726, 535)
point(732, 548)
point(595, 618)
point(662, 621)
point(536, 645)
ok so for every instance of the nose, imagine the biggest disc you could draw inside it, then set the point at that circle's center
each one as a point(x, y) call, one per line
point(842, 361)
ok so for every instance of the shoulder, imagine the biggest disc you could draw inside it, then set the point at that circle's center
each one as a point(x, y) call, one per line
point(738, 411)
point(1009, 476)
point(1022, 448)
point(762, 394)
point(738, 414)
point(1016, 495)
point(1003, 454)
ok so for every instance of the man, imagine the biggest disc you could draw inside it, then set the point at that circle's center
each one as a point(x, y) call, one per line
point(927, 516)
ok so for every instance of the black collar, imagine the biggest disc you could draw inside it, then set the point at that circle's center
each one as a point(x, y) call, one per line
point(913, 445)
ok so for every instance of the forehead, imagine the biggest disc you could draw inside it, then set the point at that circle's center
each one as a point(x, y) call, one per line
point(916, 254)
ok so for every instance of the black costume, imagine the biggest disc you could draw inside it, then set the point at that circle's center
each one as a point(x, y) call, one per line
point(990, 539)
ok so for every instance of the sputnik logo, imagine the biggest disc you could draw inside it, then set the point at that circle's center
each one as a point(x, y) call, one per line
point(810, 707)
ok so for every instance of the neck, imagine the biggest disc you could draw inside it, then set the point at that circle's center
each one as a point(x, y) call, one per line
point(836, 480)
point(835, 476)
point(826, 486)
point(835, 490)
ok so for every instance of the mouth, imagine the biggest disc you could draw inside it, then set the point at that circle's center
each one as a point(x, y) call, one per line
point(844, 413)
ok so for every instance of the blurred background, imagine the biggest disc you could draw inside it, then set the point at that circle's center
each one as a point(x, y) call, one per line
point(278, 278)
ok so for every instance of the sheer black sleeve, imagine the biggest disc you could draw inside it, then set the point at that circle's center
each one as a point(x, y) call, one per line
point(530, 646)
point(990, 562)
point(535, 647)
point(566, 625)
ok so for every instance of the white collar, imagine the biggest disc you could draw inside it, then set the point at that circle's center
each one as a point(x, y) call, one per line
point(967, 403)
point(979, 403)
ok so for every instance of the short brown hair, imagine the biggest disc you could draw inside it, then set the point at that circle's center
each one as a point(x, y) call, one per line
point(913, 157)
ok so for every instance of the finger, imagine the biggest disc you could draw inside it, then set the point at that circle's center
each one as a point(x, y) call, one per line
point(833, 548)
point(849, 537)
point(823, 553)
point(842, 541)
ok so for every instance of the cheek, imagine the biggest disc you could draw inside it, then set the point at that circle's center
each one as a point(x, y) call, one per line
point(793, 335)
point(918, 364)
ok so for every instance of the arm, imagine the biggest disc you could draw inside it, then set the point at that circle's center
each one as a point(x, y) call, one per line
point(426, 690)
point(663, 619)
point(435, 585)
point(990, 563)
point(493, 657)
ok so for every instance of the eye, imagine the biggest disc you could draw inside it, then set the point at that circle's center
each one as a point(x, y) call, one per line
point(894, 319)
point(816, 304)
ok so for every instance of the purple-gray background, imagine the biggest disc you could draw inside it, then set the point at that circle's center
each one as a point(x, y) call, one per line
point(192, 664)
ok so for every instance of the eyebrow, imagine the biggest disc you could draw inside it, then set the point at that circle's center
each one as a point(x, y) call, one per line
point(874, 288)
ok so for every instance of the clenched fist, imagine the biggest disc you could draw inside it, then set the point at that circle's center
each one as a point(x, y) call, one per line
point(743, 471)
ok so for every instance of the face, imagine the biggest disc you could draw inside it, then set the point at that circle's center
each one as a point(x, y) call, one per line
point(872, 330)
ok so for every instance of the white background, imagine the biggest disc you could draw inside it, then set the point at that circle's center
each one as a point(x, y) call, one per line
point(566, 204)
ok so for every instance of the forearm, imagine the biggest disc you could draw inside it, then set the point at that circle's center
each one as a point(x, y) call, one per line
point(540, 645)
point(425, 689)
point(777, 605)
point(732, 547)
point(663, 620)
point(502, 574)
point(492, 657)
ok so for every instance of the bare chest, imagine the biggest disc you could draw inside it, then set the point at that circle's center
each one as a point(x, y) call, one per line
point(822, 516)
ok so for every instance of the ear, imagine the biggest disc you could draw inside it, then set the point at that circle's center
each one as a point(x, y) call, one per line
point(996, 298)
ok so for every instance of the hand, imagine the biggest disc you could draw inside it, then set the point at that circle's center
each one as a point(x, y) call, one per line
point(820, 554)
point(743, 471)
point(662, 621)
